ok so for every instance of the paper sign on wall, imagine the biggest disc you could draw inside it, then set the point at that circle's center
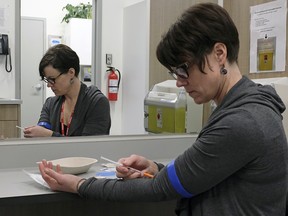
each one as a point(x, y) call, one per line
point(268, 37)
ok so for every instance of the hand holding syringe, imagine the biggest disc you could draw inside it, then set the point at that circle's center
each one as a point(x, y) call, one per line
point(135, 170)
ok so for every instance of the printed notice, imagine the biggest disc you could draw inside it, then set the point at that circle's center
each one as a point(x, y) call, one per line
point(268, 37)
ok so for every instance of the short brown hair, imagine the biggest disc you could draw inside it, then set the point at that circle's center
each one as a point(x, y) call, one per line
point(60, 57)
point(194, 34)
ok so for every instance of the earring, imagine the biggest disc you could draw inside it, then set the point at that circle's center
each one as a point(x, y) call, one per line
point(223, 71)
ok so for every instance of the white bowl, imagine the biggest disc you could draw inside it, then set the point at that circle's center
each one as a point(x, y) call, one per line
point(74, 165)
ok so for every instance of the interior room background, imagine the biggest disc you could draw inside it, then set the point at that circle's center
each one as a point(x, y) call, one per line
point(133, 54)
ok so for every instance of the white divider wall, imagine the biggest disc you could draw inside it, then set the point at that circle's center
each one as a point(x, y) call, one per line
point(22, 153)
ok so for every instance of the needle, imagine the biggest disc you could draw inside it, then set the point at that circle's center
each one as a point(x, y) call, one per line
point(135, 170)
point(20, 127)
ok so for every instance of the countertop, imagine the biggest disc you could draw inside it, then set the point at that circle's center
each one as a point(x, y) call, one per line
point(16, 183)
point(10, 101)
point(21, 195)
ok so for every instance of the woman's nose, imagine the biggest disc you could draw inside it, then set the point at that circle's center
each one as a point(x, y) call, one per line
point(181, 82)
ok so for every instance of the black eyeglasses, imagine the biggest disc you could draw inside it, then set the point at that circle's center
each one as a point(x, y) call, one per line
point(180, 71)
point(51, 80)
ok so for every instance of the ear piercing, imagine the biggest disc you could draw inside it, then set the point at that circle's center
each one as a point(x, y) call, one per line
point(223, 70)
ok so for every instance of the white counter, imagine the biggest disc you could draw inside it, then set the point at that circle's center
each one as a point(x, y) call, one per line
point(21, 195)
point(18, 153)
point(16, 183)
point(10, 101)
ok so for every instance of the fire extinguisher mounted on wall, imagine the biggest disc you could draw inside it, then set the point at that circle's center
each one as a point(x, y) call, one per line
point(113, 83)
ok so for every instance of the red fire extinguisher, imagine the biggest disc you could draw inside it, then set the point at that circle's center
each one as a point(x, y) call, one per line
point(113, 83)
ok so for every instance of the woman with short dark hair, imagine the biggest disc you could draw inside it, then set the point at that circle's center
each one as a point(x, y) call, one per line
point(75, 110)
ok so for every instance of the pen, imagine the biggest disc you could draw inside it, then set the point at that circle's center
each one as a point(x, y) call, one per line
point(20, 127)
point(135, 170)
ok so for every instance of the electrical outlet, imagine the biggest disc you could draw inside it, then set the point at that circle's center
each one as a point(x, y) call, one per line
point(108, 59)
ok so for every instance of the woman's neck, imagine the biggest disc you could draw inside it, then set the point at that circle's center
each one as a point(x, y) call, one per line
point(72, 95)
point(229, 80)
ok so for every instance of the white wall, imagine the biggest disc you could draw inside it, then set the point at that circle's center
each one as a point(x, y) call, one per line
point(49, 9)
point(7, 26)
point(136, 66)
point(126, 114)
point(131, 2)
point(52, 11)
point(112, 39)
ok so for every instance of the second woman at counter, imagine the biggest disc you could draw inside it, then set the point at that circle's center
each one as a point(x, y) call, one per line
point(75, 110)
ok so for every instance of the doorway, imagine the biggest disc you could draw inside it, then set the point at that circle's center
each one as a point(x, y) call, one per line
point(32, 88)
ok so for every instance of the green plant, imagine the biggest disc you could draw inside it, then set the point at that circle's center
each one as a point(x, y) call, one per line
point(79, 11)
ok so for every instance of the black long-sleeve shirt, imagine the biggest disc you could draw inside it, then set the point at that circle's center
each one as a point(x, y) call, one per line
point(91, 114)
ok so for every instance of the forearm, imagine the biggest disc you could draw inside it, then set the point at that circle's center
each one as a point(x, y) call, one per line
point(140, 189)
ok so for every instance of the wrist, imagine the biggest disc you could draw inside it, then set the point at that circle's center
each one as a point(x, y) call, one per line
point(158, 165)
point(79, 183)
point(50, 133)
point(153, 168)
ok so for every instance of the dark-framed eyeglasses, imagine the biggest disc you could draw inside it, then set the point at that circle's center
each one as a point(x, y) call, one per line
point(180, 71)
point(51, 80)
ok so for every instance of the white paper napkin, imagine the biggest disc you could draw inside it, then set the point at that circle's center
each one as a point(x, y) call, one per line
point(38, 178)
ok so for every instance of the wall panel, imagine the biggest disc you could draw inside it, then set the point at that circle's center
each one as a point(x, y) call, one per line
point(162, 14)
point(240, 13)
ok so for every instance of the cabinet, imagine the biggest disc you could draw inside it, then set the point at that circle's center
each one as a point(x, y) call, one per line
point(9, 118)
point(78, 35)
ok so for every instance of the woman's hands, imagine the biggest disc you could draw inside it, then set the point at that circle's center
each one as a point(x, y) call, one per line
point(58, 181)
point(136, 162)
point(37, 131)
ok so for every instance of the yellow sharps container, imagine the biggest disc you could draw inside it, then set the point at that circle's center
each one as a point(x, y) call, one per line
point(165, 112)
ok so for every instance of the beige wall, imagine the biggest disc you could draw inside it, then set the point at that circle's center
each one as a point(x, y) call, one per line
point(240, 13)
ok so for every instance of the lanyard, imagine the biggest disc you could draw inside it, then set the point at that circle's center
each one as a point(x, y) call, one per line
point(62, 120)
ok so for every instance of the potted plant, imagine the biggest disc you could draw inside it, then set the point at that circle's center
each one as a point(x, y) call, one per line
point(79, 11)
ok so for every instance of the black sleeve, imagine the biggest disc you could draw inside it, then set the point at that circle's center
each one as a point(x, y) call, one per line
point(98, 120)
point(141, 189)
point(56, 134)
point(45, 112)
point(48, 114)
point(216, 154)
point(159, 165)
point(219, 152)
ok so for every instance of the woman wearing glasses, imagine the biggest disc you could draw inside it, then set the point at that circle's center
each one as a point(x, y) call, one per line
point(238, 164)
point(75, 110)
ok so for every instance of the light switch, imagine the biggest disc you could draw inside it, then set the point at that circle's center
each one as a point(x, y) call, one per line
point(108, 59)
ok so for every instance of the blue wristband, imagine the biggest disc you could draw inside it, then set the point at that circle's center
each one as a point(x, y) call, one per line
point(45, 125)
point(174, 180)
